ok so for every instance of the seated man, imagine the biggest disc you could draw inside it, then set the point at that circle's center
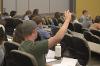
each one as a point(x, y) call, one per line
point(39, 48)
point(43, 34)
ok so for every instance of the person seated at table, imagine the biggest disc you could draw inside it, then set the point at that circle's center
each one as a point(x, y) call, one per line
point(13, 13)
point(85, 19)
point(96, 24)
point(39, 48)
point(35, 13)
point(27, 15)
point(57, 19)
point(43, 34)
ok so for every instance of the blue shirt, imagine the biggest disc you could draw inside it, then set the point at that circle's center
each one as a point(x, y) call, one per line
point(43, 34)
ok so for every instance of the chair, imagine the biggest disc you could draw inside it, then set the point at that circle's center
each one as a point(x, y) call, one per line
point(10, 25)
point(66, 43)
point(20, 58)
point(75, 47)
point(78, 27)
point(81, 50)
point(95, 32)
point(90, 37)
point(3, 34)
point(8, 46)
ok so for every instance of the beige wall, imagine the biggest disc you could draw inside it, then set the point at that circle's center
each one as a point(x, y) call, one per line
point(93, 6)
point(0, 5)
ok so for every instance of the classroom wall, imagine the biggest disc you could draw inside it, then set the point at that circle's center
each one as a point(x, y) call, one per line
point(93, 6)
point(0, 5)
point(45, 6)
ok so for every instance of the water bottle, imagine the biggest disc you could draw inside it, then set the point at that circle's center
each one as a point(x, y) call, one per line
point(58, 52)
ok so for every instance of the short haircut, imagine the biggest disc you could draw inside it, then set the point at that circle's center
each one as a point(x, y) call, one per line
point(84, 11)
point(37, 19)
point(12, 13)
point(97, 19)
point(25, 28)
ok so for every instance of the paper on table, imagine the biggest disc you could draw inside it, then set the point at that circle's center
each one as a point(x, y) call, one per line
point(67, 62)
point(50, 60)
point(50, 55)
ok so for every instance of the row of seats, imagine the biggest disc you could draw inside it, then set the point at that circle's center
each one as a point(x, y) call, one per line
point(92, 35)
point(14, 57)
point(77, 48)
point(77, 27)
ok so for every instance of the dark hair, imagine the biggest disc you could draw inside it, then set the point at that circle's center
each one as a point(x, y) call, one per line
point(57, 14)
point(12, 13)
point(97, 19)
point(38, 19)
point(84, 11)
point(35, 12)
point(28, 12)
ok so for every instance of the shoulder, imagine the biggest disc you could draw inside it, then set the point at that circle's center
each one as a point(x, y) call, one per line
point(42, 42)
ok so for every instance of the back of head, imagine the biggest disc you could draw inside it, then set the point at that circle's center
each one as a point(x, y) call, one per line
point(25, 29)
point(84, 11)
point(12, 13)
point(36, 11)
point(28, 12)
point(37, 19)
point(57, 15)
point(97, 19)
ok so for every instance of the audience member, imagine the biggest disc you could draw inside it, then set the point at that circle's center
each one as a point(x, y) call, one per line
point(96, 24)
point(28, 31)
point(40, 29)
point(5, 15)
point(35, 13)
point(57, 20)
point(13, 13)
point(27, 15)
point(74, 19)
point(85, 19)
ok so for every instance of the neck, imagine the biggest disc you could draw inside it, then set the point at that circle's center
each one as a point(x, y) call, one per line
point(30, 39)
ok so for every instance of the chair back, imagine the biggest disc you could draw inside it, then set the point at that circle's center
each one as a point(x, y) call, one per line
point(95, 32)
point(91, 37)
point(8, 46)
point(88, 35)
point(11, 25)
point(20, 58)
point(3, 35)
point(66, 44)
point(78, 27)
point(81, 50)
point(75, 47)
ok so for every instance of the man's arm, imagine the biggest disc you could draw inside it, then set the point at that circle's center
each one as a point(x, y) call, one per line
point(60, 34)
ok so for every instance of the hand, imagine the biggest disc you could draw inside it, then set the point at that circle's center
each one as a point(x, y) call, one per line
point(67, 15)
